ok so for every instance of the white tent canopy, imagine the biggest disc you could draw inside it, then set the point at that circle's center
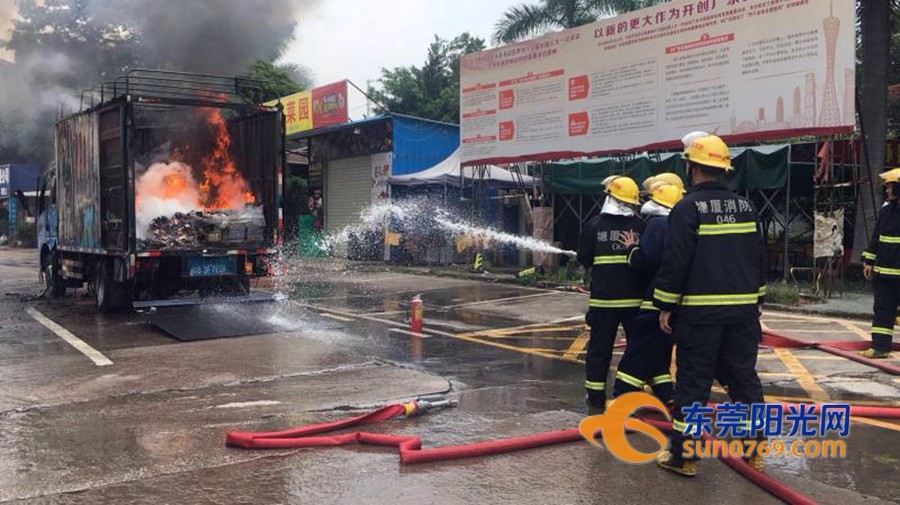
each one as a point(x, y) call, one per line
point(448, 172)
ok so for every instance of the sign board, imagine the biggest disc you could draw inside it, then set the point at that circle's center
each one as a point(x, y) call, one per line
point(746, 70)
point(322, 106)
point(4, 181)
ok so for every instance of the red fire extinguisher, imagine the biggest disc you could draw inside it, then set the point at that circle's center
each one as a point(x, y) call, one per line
point(417, 315)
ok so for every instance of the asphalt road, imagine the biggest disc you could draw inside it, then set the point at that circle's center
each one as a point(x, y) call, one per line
point(132, 415)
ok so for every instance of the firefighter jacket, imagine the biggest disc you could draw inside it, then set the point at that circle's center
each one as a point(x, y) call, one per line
point(614, 284)
point(884, 248)
point(713, 270)
point(646, 256)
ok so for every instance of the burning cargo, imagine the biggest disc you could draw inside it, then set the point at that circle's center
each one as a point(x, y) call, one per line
point(169, 172)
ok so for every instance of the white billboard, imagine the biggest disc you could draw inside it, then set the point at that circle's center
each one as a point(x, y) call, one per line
point(745, 69)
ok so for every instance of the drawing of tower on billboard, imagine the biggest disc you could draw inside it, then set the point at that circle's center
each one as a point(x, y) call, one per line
point(831, 115)
point(816, 102)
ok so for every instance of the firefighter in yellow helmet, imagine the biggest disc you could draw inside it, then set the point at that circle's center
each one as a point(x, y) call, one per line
point(648, 352)
point(709, 289)
point(882, 267)
point(616, 288)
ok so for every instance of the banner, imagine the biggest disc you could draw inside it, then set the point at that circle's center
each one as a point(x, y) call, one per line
point(330, 104)
point(746, 70)
point(297, 112)
point(323, 106)
point(4, 181)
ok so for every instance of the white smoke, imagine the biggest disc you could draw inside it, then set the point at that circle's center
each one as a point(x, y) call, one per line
point(163, 190)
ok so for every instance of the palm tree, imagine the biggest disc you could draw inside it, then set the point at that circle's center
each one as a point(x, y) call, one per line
point(529, 20)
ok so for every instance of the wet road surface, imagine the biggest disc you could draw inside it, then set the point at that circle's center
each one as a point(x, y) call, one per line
point(149, 428)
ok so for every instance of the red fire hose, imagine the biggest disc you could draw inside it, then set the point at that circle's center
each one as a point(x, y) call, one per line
point(843, 349)
point(411, 452)
point(855, 410)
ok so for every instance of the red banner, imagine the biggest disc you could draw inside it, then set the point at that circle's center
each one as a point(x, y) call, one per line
point(329, 104)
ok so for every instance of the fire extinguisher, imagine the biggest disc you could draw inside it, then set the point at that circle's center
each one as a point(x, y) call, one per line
point(417, 314)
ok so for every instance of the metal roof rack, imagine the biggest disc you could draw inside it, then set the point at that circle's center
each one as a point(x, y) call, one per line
point(170, 86)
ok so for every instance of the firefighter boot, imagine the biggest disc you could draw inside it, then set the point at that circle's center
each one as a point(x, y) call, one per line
point(756, 462)
point(668, 461)
point(875, 354)
point(596, 400)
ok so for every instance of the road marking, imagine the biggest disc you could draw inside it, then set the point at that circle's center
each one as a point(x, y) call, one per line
point(804, 378)
point(410, 333)
point(338, 318)
point(876, 422)
point(856, 330)
point(94, 355)
point(578, 345)
point(507, 299)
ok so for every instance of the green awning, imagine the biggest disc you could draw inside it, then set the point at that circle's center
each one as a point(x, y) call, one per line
point(763, 167)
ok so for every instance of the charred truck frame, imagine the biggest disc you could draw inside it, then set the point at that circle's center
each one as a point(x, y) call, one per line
point(172, 181)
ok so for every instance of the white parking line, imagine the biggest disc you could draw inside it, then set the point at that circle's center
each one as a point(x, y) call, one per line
point(94, 355)
point(407, 332)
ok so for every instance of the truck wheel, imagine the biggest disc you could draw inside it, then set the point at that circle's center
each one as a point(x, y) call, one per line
point(111, 295)
point(56, 286)
point(103, 288)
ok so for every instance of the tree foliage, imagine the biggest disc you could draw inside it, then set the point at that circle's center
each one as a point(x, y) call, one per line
point(432, 90)
point(278, 80)
point(525, 21)
point(62, 47)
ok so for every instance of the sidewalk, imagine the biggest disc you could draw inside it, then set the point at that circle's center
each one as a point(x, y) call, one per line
point(851, 306)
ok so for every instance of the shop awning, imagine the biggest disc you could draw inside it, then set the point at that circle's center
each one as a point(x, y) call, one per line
point(448, 172)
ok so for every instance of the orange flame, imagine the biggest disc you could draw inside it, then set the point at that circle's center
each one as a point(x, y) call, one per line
point(222, 187)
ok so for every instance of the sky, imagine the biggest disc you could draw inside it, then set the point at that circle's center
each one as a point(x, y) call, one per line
point(355, 39)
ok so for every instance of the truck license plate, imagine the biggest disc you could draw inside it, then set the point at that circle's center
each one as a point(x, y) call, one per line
point(210, 266)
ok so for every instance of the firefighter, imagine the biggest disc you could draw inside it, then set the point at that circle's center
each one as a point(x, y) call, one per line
point(709, 291)
point(648, 353)
point(882, 266)
point(616, 288)
point(666, 177)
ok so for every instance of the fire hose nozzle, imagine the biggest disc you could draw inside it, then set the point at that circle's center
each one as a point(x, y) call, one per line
point(422, 407)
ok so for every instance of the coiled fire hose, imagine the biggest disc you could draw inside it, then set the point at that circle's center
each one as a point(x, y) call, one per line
point(411, 452)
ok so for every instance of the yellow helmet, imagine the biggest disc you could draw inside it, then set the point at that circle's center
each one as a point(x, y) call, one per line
point(670, 178)
point(666, 194)
point(648, 183)
point(709, 151)
point(624, 189)
point(890, 176)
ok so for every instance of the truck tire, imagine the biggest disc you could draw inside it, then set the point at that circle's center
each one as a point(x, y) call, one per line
point(111, 295)
point(56, 286)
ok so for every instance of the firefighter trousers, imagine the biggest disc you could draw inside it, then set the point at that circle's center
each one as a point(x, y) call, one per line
point(604, 325)
point(887, 298)
point(647, 358)
point(704, 349)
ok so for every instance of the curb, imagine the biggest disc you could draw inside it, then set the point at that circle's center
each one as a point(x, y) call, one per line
point(813, 312)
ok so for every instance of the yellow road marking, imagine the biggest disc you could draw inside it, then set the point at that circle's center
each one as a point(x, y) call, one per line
point(804, 378)
point(578, 345)
point(876, 422)
point(856, 329)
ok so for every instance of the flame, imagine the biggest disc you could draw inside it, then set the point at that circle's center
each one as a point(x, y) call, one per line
point(222, 186)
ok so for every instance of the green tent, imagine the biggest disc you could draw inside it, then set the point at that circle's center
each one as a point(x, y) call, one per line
point(763, 167)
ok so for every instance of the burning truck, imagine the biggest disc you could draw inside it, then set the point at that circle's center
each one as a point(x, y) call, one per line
point(171, 182)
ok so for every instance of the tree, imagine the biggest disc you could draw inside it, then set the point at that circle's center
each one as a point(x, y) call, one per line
point(875, 29)
point(525, 21)
point(278, 80)
point(432, 90)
